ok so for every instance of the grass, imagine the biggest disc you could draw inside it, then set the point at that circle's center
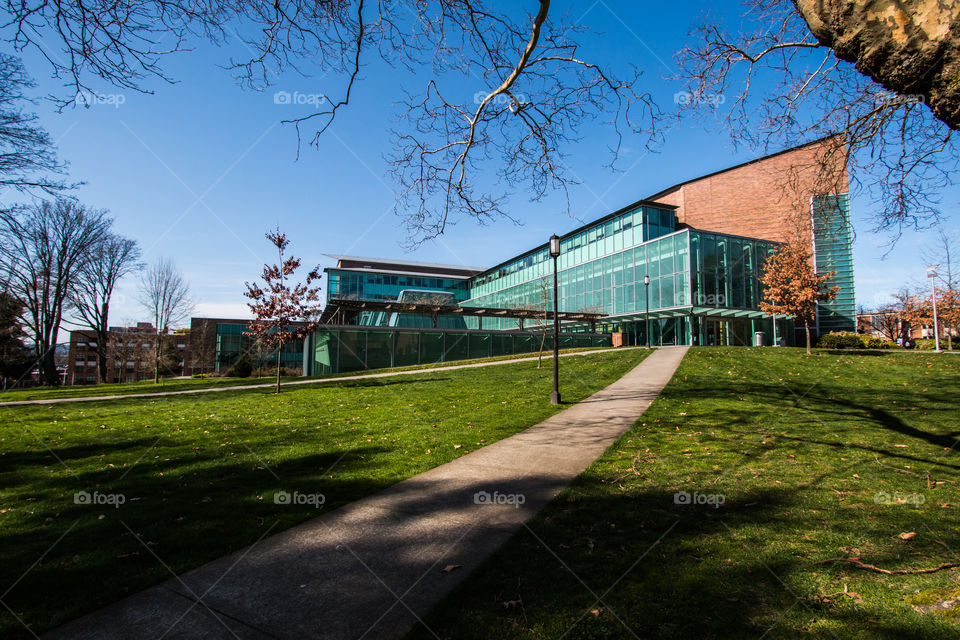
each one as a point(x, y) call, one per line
point(198, 473)
point(185, 384)
point(813, 457)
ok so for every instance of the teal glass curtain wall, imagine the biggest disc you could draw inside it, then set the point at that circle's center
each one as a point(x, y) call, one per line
point(833, 246)
point(336, 350)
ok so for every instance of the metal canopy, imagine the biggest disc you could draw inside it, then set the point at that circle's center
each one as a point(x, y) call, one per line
point(452, 310)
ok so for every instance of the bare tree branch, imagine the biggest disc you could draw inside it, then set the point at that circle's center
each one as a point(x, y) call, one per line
point(777, 85)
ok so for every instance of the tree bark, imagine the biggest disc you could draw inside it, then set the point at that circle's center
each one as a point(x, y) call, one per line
point(908, 46)
point(102, 337)
point(279, 351)
point(48, 367)
point(806, 326)
point(156, 359)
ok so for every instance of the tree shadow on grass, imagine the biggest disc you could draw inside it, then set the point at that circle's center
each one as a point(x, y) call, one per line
point(186, 511)
point(595, 565)
point(600, 562)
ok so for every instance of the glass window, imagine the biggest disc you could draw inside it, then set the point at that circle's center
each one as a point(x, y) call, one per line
point(353, 350)
point(666, 256)
point(666, 291)
point(379, 349)
point(456, 347)
point(479, 345)
point(431, 347)
point(681, 290)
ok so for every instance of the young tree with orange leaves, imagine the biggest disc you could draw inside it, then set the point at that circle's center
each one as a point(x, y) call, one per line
point(792, 286)
point(284, 311)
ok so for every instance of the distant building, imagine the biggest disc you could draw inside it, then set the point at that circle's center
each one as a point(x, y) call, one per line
point(217, 343)
point(887, 325)
point(210, 345)
point(130, 353)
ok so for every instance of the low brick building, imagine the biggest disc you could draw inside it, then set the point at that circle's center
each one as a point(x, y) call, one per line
point(129, 355)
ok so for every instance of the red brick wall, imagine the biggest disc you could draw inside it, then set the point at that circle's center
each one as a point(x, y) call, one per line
point(759, 199)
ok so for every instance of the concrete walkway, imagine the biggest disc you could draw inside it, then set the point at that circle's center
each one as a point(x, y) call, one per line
point(371, 569)
point(292, 383)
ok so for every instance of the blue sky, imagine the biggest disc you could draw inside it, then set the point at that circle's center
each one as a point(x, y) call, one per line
point(199, 170)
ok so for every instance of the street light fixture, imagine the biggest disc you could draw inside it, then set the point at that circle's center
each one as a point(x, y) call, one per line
point(555, 253)
point(646, 315)
point(932, 274)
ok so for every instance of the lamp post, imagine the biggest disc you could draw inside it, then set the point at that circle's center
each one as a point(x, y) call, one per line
point(932, 274)
point(555, 253)
point(646, 315)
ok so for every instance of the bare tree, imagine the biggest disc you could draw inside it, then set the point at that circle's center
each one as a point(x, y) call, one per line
point(533, 87)
point(109, 261)
point(129, 354)
point(166, 296)
point(43, 248)
point(774, 83)
point(542, 304)
point(27, 155)
point(888, 320)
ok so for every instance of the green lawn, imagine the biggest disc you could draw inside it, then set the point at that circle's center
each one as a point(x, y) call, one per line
point(180, 384)
point(813, 457)
point(198, 473)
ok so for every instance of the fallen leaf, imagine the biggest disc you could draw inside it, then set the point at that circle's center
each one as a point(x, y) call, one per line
point(907, 535)
point(451, 567)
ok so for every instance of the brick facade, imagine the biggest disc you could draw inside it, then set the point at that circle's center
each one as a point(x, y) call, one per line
point(129, 354)
point(760, 198)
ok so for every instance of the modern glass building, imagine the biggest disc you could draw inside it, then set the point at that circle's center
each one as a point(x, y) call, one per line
point(681, 267)
point(703, 287)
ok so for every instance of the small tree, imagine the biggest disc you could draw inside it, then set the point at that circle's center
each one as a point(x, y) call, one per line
point(283, 311)
point(165, 294)
point(544, 296)
point(793, 287)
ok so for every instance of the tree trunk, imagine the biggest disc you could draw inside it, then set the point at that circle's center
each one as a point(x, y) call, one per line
point(543, 341)
point(156, 360)
point(48, 367)
point(279, 350)
point(102, 337)
point(102, 356)
point(806, 326)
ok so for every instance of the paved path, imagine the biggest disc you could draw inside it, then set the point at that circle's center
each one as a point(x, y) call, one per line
point(373, 568)
point(271, 385)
